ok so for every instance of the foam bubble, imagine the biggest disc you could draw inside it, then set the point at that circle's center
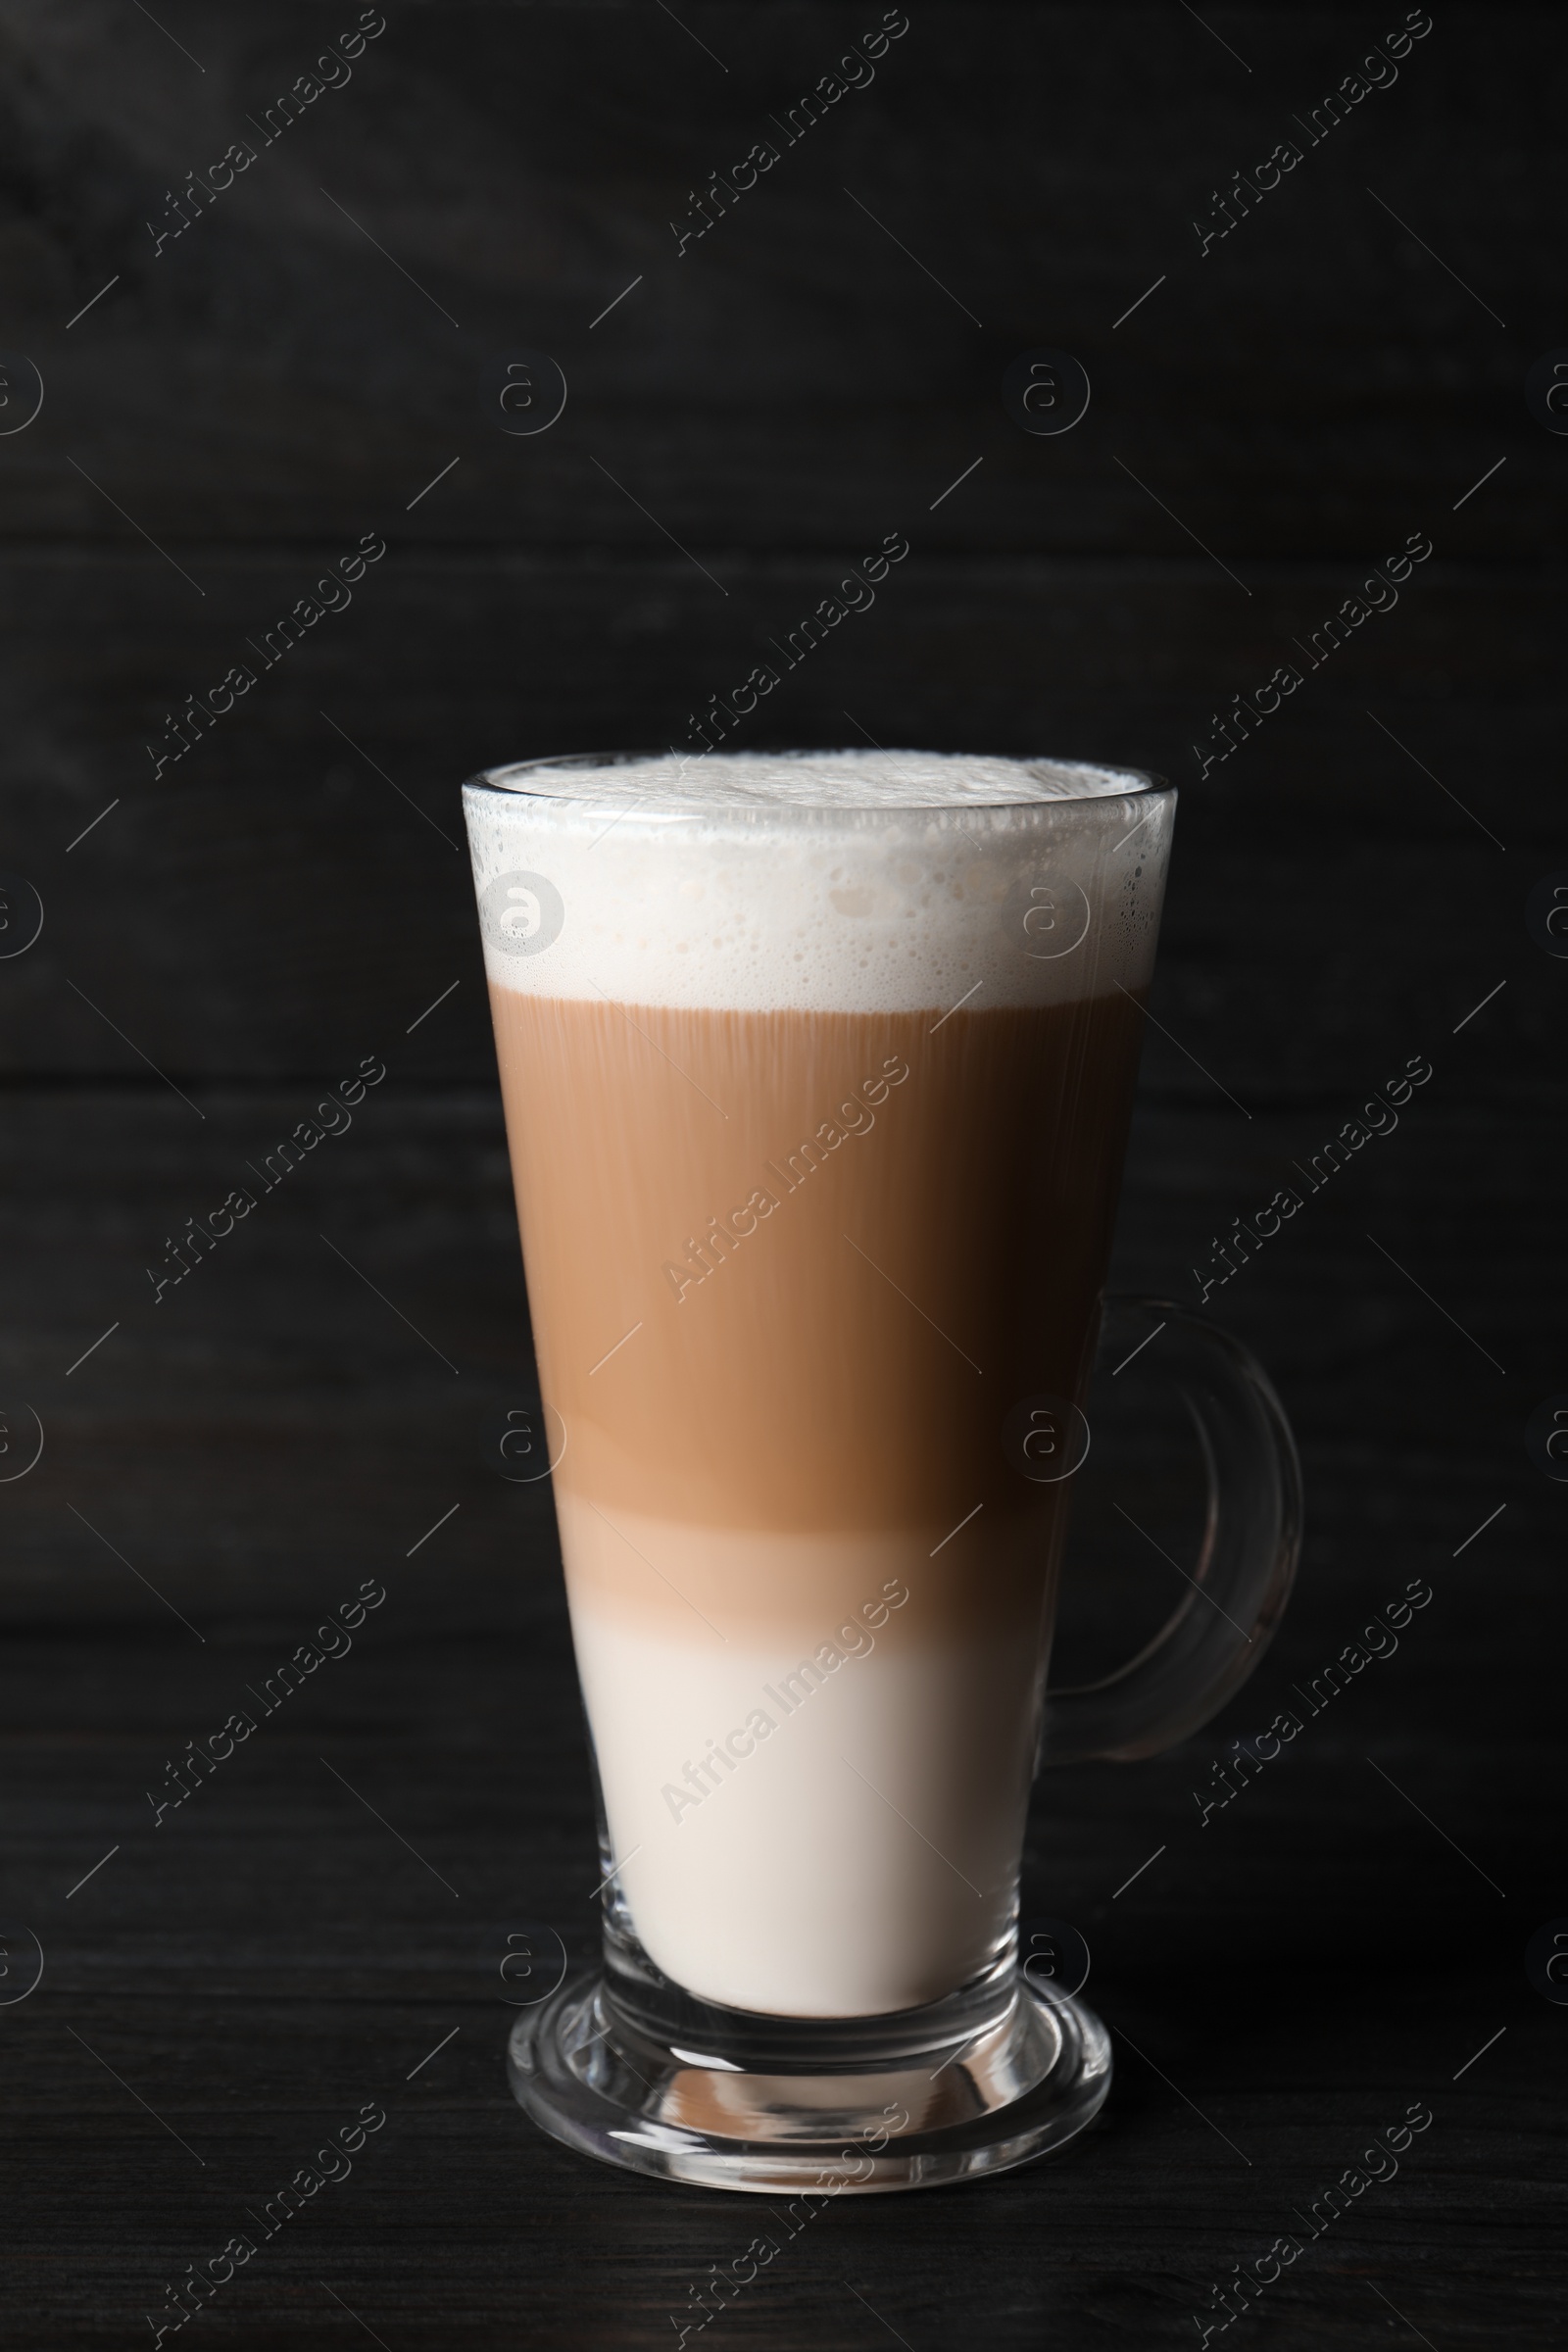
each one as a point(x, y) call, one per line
point(843, 881)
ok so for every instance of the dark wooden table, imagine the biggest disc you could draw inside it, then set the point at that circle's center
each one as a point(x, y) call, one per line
point(315, 1930)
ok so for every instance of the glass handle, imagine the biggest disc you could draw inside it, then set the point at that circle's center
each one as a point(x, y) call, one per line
point(1247, 1563)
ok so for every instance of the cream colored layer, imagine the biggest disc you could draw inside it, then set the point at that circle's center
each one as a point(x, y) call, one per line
point(808, 1841)
point(689, 1582)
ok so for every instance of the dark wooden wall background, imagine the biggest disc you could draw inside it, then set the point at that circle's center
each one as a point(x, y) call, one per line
point(234, 412)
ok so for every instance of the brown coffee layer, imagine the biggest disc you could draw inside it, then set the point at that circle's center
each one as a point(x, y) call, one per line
point(793, 1273)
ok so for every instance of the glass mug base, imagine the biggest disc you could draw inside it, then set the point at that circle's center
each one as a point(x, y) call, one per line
point(785, 2107)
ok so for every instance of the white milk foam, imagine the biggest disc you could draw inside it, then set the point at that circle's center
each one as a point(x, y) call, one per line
point(834, 881)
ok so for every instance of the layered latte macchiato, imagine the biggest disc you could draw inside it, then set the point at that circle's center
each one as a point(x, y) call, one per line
point(813, 1207)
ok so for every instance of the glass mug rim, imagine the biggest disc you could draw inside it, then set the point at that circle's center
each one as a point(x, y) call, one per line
point(507, 783)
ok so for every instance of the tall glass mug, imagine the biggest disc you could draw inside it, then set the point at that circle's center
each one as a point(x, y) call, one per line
point(817, 1073)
